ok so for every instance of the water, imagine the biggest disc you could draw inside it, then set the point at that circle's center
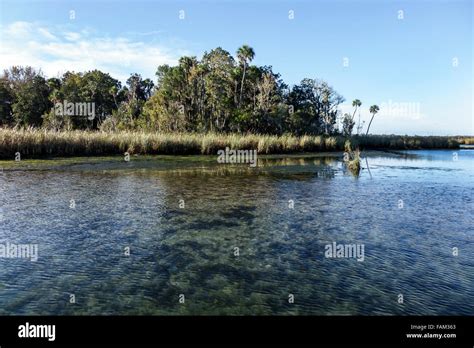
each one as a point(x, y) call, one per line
point(408, 212)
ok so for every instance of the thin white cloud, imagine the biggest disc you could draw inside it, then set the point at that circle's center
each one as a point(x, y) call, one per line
point(56, 51)
point(72, 36)
point(46, 34)
point(17, 29)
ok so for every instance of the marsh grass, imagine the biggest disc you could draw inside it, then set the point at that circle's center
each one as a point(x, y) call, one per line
point(399, 142)
point(466, 140)
point(38, 143)
point(352, 158)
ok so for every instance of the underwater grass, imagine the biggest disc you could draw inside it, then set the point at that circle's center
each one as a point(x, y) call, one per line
point(38, 143)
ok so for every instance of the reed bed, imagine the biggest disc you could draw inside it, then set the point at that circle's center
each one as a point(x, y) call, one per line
point(466, 140)
point(39, 143)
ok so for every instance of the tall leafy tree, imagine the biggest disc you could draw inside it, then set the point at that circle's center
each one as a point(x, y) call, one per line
point(30, 95)
point(315, 106)
point(356, 103)
point(373, 110)
point(95, 88)
point(219, 88)
point(137, 93)
point(245, 54)
point(6, 101)
point(179, 101)
point(347, 125)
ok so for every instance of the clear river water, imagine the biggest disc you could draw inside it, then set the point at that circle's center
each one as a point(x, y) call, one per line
point(163, 235)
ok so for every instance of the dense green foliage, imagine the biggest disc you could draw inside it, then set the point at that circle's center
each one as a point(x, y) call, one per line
point(218, 93)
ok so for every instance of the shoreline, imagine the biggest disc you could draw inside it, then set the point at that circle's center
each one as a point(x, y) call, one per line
point(43, 144)
point(185, 163)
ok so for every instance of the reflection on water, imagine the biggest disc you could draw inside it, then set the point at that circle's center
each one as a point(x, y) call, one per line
point(183, 219)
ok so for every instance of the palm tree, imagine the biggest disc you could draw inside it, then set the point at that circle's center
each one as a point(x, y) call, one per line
point(356, 103)
point(245, 54)
point(373, 110)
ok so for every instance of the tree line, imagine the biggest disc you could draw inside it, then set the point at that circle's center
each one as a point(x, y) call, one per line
point(219, 93)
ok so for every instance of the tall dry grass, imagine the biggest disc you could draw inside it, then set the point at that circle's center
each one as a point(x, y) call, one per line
point(37, 143)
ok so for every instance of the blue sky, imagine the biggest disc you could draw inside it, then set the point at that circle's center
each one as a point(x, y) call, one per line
point(417, 64)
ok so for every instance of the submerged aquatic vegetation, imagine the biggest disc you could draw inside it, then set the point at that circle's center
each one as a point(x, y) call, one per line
point(352, 158)
point(354, 164)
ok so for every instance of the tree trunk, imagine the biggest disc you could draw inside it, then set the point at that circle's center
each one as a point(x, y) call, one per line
point(353, 115)
point(242, 84)
point(236, 87)
point(367, 133)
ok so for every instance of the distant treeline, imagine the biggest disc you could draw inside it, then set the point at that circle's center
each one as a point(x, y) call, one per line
point(218, 93)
